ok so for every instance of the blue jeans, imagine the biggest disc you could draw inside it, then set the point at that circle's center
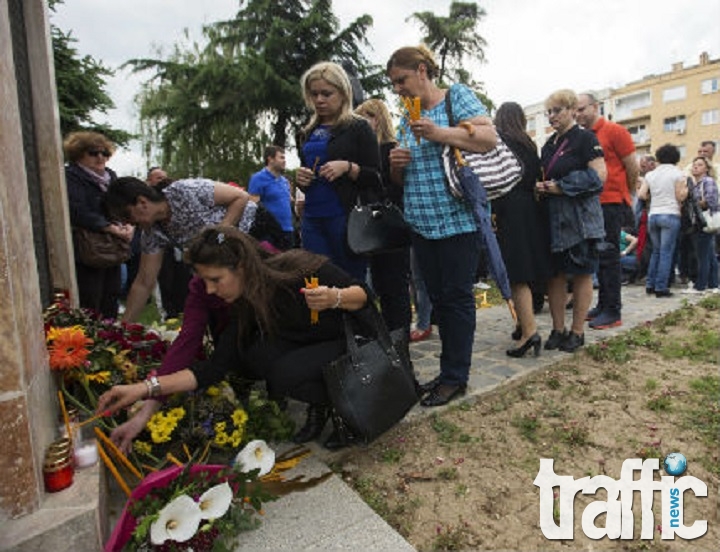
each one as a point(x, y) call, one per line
point(327, 236)
point(663, 231)
point(448, 267)
point(423, 306)
point(707, 264)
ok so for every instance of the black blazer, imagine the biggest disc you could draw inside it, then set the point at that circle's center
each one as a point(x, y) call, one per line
point(353, 141)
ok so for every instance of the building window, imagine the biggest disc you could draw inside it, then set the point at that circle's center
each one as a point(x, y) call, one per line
point(709, 86)
point(674, 94)
point(674, 124)
point(639, 134)
point(710, 117)
point(625, 106)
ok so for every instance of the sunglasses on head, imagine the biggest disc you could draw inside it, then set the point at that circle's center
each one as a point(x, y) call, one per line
point(95, 153)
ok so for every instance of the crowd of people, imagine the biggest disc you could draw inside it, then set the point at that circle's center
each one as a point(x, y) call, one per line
point(586, 210)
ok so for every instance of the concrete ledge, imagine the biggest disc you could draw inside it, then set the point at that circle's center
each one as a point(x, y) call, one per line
point(72, 520)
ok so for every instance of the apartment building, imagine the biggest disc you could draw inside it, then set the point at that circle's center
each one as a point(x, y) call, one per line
point(681, 107)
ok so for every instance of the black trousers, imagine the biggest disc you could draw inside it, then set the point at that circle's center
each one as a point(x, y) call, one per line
point(292, 371)
point(610, 273)
point(173, 280)
point(98, 288)
point(390, 275)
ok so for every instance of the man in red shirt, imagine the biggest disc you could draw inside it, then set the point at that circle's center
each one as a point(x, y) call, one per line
point(622, 173)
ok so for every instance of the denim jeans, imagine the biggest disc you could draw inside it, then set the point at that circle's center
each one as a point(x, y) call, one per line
point(707, 264)
point(327, 236)
point(663, 231)
point(423, 306)
point(448, 267)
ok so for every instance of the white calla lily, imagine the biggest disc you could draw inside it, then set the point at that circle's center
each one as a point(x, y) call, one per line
point(179, 521)
point(256, 455)
point(214, 502)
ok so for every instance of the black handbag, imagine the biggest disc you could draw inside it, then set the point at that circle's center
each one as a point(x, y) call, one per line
point(377, 228)
point(372, 386)
point(100, 249)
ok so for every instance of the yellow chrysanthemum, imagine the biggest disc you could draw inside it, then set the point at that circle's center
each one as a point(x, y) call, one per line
point(212, 391)
point(141, 447)
point(239, 417)
point(220, 426)
point(236, 438)
point(99, 377)
point(221, 438)
point(162, 425)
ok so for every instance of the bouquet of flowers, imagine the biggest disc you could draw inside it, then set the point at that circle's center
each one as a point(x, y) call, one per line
point(213, 417)
point(91, 354)
point(204, 507)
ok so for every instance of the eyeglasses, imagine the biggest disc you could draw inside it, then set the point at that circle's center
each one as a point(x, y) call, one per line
point(554, 111)
point(95, 153)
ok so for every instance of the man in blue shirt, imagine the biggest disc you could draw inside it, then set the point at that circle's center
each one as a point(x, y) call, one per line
point(272, 189)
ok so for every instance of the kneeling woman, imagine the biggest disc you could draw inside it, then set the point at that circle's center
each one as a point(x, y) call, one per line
point(272, 335)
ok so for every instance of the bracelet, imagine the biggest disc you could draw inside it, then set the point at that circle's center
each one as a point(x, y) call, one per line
point(338, 300)
point(153, 387)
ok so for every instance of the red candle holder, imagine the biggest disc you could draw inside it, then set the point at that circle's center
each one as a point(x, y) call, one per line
point(58, 472)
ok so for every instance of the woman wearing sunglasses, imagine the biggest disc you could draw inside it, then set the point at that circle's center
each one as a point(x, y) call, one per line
point(87, 179)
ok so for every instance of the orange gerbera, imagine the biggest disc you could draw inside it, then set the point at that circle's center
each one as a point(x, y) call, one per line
point(69, 349)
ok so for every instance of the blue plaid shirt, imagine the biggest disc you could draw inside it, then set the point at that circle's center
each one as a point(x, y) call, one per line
point(429, 208)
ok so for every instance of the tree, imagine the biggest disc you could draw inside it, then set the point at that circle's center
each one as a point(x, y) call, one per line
point(453, 39)
point(241, 90)
point(80, 84)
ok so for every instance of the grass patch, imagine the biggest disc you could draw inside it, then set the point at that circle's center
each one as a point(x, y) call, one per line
point(528, 426)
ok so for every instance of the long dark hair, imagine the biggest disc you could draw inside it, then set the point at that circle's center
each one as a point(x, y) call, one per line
point(510, 121)
point(264, 274)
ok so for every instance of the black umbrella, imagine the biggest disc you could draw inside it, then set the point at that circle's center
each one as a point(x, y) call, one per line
point(475, 194)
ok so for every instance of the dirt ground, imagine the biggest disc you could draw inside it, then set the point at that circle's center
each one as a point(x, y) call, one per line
point(462, 478)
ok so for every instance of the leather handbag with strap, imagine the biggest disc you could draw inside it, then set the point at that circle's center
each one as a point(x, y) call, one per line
point(499, 170)
point(100, 249)
point(372, 386)
point(374, 228)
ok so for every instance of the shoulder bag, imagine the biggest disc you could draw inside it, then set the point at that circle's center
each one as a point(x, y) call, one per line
point(100, 249)
point(376, 226)
point(499, 170)
point(372, 386)
point(712, 220)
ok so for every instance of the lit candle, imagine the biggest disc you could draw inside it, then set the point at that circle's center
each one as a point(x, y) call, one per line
point(86, 455)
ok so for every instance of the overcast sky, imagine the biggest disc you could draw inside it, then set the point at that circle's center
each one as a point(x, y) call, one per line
point(534, 46)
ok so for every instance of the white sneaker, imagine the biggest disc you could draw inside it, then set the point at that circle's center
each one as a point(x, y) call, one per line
point(691, 291)
point(712, 290)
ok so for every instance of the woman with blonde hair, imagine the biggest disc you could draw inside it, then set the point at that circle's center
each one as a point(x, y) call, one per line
point(446, 238)
point(390, 271)
point(573, 172)
point(340, 156)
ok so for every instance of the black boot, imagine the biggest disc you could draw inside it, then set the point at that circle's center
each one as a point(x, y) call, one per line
point(341, 437)
point(317, 415)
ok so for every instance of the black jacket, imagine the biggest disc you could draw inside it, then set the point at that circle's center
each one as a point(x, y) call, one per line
point(353, 141)
point(85, 199)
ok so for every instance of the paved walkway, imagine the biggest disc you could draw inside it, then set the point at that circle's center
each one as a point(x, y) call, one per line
point(332, 517)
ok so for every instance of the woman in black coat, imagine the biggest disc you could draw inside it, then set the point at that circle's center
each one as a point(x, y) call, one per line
point(87, 179)
point(522, 228)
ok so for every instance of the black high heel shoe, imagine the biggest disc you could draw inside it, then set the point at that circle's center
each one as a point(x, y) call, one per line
point(533, 342)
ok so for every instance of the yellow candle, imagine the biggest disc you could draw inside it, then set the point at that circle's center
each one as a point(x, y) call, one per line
point(66, 418)
point(113, 470)
point(118, 453)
